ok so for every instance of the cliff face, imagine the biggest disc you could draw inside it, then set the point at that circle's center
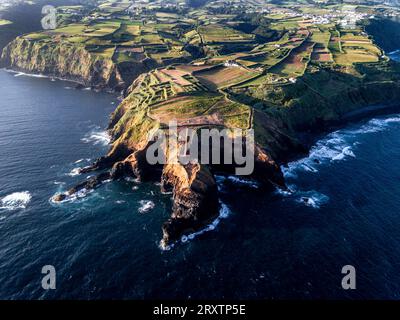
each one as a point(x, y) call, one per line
point(69, 61)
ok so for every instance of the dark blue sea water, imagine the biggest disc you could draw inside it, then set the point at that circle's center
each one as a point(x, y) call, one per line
point(105, 245)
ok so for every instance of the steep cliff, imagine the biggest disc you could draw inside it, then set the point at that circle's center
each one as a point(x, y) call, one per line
point(70, 61)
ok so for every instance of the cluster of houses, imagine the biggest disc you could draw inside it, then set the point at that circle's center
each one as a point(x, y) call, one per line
point(139, 6)
point(347, 17)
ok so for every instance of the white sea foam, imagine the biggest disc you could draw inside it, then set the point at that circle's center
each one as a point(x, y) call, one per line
point(146, 206)
point(166, 192)
point(395, 55)
point(245, 182)
point(224, 213)
point(335, 147)
point(16, 200)
point(309, 168)
point(392, 119)
point(374, 125)
point(286, 192)
point(74, 172)
point(32, 75)
point(97, 137)
point(345, 152)
point(312, 199)
point(73, 197)
point(79, 161)
point(221, 180)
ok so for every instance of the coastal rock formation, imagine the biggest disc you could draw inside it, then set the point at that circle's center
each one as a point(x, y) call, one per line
point(195, 199)
point(195, 194)
point(83, 187)
point(72, 62)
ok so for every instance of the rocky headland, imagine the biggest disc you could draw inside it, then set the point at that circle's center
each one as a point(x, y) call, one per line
point(61, 59)
point(209, 93)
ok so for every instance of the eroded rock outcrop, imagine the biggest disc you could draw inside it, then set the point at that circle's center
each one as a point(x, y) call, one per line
point(82, 188)
point(195, 199)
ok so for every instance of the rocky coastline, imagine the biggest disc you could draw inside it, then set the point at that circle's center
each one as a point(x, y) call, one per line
point(72, 63)
point(195, 203)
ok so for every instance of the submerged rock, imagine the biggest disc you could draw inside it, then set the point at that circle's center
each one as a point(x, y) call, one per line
point(59, 197)
point(87, 185)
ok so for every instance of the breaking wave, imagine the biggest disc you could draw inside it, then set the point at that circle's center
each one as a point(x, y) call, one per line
point(337, 146)
point(97, 137)
point(222, 181)
point(32, 75)
point(312, 199)
point(16, 200)
point(146, 206)
point(224, 213)
point(79, 195)
point(74, 172)
point(395, 55)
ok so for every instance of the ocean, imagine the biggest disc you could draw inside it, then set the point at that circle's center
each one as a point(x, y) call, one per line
point(343, 209)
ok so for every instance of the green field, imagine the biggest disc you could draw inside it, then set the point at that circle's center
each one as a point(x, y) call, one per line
point(298, 45)
point(218, 33)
